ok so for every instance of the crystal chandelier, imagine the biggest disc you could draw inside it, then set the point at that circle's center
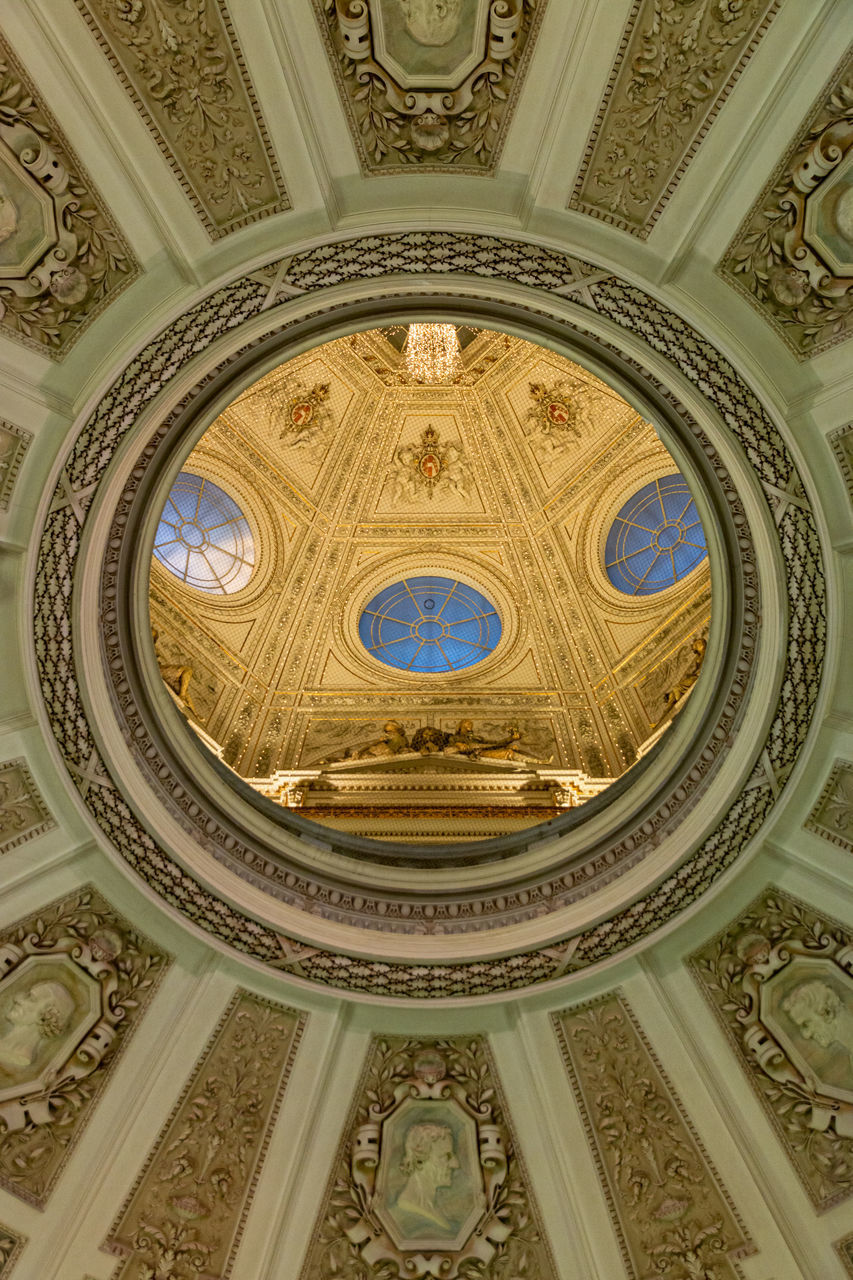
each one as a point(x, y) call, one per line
point(432, 353)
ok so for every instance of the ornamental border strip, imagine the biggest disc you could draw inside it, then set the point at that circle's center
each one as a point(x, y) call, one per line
point(450, 255)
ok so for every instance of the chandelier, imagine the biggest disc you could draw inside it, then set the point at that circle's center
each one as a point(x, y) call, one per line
point(431, 353)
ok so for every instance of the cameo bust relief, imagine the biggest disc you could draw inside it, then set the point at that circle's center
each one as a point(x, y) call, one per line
point(431, 22)
point(32, 1018)
point(429, 1162)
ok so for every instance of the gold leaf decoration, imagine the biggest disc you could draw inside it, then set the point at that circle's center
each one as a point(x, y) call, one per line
point(670, 1212)
point(676, 65)
point(183, 67)
point(185, 1214)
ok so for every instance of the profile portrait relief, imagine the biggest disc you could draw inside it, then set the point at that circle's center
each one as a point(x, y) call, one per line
point(33, 1017)
point(820, 1015)
point(428, 1164)
point(431, 22)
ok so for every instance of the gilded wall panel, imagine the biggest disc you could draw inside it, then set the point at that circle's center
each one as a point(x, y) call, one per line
point(432, 87)
point(184, 70)
point(11, 1244)
point(23, 813)
point(186, 1212)
point(832, 816)
point(14, 442)
point(792, 256)
point(676, 66)
point(75, 980)
point(428, 1179)
point(671, 1214)
point(780, 979)
point(62, 256)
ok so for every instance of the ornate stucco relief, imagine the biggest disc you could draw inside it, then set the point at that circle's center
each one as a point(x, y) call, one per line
point(671, 1214)
point(780, 979)
point(832, 816)
point(186, 1212)
point(23, 813)
point(14, 442)
point(842, 446)
point(11, 1244)
point(183, 67)
point(792, 256)
point(428, 1179)
point(62, 257)
point(844, 1249)
point(425, 85)
point(443, 254)
point(75, 979)
point(675, 67)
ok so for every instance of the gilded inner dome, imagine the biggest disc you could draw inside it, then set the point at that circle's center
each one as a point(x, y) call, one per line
point(430, 603)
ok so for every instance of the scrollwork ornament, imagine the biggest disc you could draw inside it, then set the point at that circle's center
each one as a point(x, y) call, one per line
point(428, 1183)
point(437, 91)
point(781, 980)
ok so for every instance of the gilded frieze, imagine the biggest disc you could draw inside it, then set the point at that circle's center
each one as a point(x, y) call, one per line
point(75, 979)
point(184, 70)
point(792, 256)
point(671, 1214)
point(780, 979)
point(676, 65)
point(14, 442)
point(23, 813)
point(425, 85)
point(186, 1212)
point(428, 1180)
point(62, 256)
point(832, 816)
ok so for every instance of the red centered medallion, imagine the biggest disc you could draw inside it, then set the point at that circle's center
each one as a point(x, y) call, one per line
point(430, 465)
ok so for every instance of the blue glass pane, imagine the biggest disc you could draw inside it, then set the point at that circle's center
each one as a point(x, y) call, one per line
point(203, 538)
point(656, 539)
point(431, 625)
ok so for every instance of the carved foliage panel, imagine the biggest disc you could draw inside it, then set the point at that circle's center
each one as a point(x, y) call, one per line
point(425, 84)
point(428, 1179)
point(792, 256)
point(185, 1215)
point(183, 67)
point(62, 256)
point(23, 813)
point(832, 816)
point(11, 1244)
point(780, 979)
point(671, 1214)
point(75, 979)
point(675, 67)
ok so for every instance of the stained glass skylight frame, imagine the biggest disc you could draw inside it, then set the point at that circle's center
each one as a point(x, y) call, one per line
point(429, 625)
point(203, 538)
point(656, 539)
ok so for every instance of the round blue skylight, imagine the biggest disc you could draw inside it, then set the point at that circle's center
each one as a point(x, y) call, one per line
point(203, 538)
point(429, 625)
point(656, 539)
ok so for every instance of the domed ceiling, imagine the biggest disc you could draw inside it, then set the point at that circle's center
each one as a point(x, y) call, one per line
point(371, 506)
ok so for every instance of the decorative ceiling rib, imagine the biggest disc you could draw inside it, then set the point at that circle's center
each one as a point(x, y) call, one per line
point(185, 71)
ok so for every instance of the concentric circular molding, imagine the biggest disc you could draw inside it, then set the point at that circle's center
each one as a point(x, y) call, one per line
point(663, 806)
